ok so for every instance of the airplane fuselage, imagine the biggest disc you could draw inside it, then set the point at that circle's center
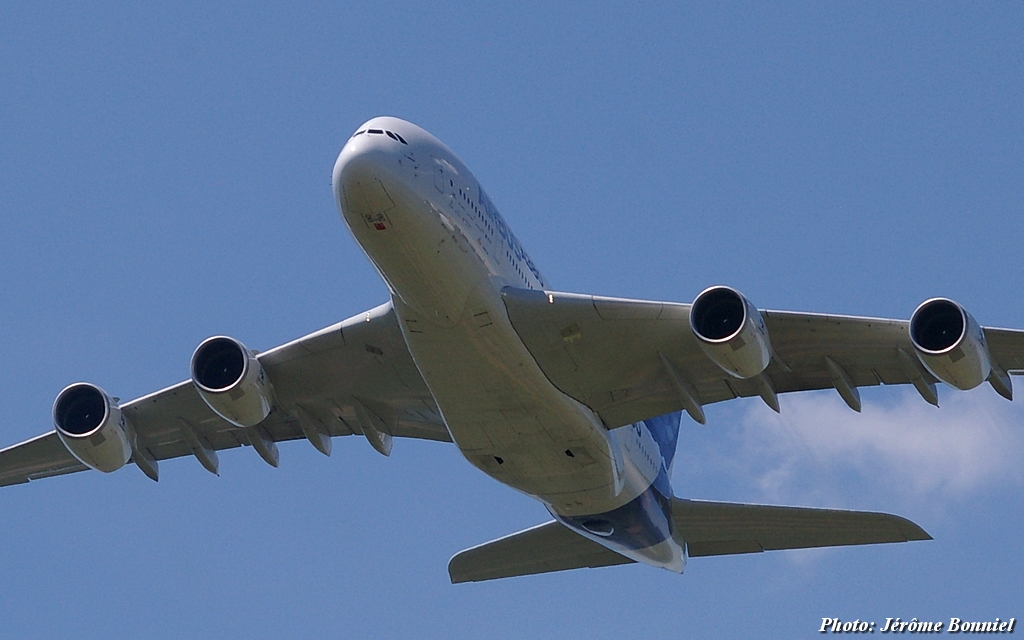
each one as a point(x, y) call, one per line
point(446, 254)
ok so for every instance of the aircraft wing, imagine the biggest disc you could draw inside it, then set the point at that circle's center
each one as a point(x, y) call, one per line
point(40, 457)
point(611, 353)
point(316, 379)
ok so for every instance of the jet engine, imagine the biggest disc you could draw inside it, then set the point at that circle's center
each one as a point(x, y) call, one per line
point(731, 331)
point(92, 427)
point(950, 343)
point(232, 381)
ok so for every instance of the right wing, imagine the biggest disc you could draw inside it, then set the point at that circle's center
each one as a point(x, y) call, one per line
point(40, 457)
point(316, 378)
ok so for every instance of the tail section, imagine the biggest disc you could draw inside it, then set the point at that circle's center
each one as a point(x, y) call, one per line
point(722, 528)
point(665, 431)
point(706, 529)
point(541, 549)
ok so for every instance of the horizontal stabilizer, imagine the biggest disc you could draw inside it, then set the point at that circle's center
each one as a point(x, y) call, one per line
point(707, 529)
point(721, 528)
point(541, 549)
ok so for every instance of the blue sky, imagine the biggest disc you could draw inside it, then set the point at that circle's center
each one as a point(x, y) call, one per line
point(165, 176)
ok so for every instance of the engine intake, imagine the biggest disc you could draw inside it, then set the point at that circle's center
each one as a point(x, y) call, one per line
point(231, 381)
point(950, 343)
point(92, 427)
point(731, 331)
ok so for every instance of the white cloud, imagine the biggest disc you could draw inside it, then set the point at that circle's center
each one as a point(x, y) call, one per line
point(818, 451)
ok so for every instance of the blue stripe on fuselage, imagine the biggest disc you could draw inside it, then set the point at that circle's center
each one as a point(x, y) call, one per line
point(647, 519)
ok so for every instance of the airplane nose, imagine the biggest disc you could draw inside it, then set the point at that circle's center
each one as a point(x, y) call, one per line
point(362, 157)
point(365, 163)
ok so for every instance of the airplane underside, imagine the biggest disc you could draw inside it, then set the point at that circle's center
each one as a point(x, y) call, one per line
point(502, 412)
point(575, 400)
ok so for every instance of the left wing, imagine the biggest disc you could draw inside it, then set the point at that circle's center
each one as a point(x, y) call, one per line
point(619, 356)
point(319, 381)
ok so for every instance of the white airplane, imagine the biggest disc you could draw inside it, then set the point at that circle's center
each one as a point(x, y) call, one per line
point(575, 400)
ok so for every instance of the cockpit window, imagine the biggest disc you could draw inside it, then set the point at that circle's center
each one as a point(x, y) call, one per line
point(391, 134)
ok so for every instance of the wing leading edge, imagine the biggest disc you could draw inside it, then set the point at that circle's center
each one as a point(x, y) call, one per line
point(706, 528)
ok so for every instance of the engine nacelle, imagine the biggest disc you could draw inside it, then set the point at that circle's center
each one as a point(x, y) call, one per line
point(92, 427)
point(232, 381)
point(731, 331)
point(950, 343)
